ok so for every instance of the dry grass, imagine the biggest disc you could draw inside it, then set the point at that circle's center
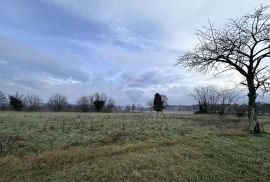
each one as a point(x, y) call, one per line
point(234, 132)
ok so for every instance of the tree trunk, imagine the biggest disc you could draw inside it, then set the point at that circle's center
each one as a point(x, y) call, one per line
point(254, 125)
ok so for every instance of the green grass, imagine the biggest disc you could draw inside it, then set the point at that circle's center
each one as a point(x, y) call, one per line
point(131, 147)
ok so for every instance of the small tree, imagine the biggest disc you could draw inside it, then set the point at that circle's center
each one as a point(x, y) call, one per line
point(32, 102)
point(16, 101)
point(158, 103)
point(57, 102)
point(3, 100)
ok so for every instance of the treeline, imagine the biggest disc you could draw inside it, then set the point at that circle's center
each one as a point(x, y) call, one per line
point(210, 100)
point(214, 100)
point(57, 102)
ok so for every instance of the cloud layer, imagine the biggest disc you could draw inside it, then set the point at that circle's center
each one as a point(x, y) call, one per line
point(82, 47)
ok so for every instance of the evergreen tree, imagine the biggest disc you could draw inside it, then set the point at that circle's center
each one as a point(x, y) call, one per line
point(158, 103)
point(16, 102)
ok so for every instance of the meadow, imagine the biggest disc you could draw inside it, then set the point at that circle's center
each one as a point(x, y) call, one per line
point(50, 146)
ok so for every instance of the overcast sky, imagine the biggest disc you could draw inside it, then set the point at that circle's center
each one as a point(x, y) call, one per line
point(79, 47)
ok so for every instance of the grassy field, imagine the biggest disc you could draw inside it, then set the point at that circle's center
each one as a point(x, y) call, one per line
point(131, 147)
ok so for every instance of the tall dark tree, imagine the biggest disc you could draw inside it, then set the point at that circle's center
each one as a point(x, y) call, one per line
point(16, 101)
point(243, 46)
point(99, 104)
point(158, 103)
point(99, 101)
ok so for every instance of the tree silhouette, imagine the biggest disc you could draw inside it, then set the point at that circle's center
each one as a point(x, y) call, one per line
point(99, 101)
point(241, 46)
point(99, 104)
point(16, 102)
point(158, 103)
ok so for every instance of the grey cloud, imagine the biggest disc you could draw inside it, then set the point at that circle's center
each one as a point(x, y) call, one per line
point(21, 58)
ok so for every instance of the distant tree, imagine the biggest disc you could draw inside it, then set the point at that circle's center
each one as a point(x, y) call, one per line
point(110, 105)
point(165, 100)
point(158, 103)
point(99, 101)
point(16, 101)
point(99, 104)
point(84, 103)
point(243, 45)
point(128, 108)
point(233, 97)
point(227, 97)
point(91, 102)
point(3, 100)
point(150, 105)
point(206, 97)
point(223, 97)
point(212, 99)
point(133, 107)
point(100, 96)
point(32, 102)
point(57, 102)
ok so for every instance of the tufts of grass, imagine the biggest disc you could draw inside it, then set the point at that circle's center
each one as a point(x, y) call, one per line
point(234, 132)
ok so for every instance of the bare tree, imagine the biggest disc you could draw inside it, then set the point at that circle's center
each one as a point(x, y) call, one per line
point(233, 97)
point(57, 102)
point(212, 99)
point(3, 100)
point(241, 46)
point(84, 103)
point(32, 102)
point(150, 105)
point(164, 99)
point(110, 105)
point(207, 98)
point(223, 99)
